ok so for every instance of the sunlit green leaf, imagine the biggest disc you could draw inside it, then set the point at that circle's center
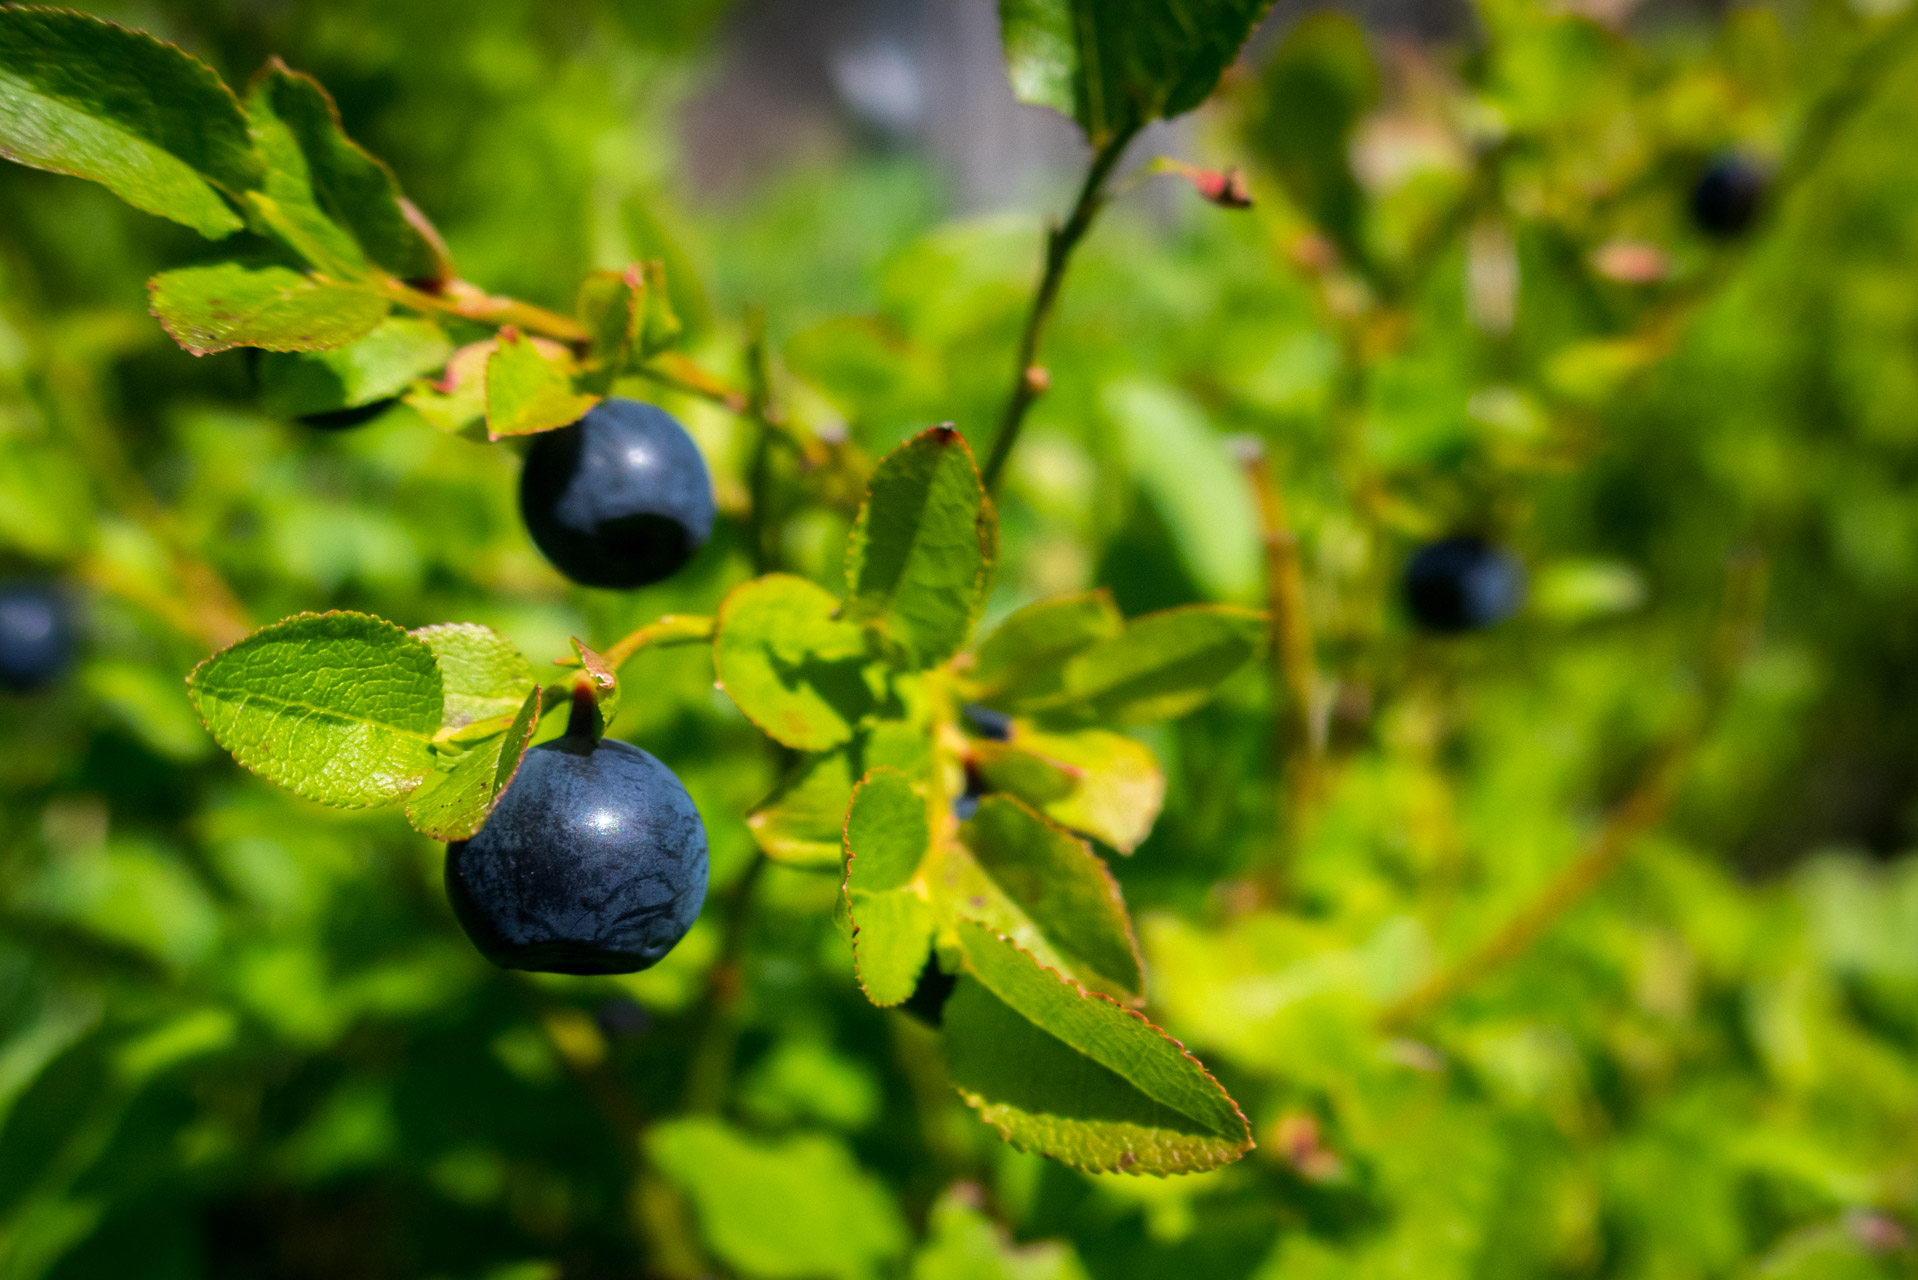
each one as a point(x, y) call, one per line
point(337, 707)
point(1096, 781)
point(383, 364)
point(1054, 896)
point(485, 676)
point(156, 127)
point(887, 838)
point(803, 823)
point(962, 1243)
point(1116, 65)
point(217, 308)
point(794, 669)
point(530, 389)
point(1025, 655)
point(1164, 665)
point(471, 773)
point(1075, 1076)
point(920, 557)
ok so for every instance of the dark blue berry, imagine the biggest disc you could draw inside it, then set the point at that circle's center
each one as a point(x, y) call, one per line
point(928, 999)
point(620, 498)
point(36, 636)
point(1728, 196)
point(1461, 584)
point(593, 862)
point(964, 806)
point(987, 723)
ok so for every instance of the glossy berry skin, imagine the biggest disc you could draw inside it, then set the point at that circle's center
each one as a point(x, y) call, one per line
point(1728, 196)
point(620, 498)
point(1463, 584)
point(36, 636)
point(594, 861)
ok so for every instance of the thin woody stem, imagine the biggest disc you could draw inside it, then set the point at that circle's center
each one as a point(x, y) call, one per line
point(1028, 379)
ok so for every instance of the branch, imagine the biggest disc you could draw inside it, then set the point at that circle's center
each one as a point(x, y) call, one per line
point(1643, 808)
point(1029, 379)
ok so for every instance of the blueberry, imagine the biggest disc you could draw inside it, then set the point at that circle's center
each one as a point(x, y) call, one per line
point(928, 999)
point(1461, 584)
point(620, 498)
point(36, 636)
point(1729, 193)
point(967, 804)
point(343, 419)
point(987, 723)
point(594, 861)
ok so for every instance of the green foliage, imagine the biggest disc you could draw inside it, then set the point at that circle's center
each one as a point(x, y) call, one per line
point(1115, 67)
point(240, 1033)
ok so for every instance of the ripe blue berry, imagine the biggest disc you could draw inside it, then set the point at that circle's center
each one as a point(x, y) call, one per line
point(1462, 584)
point(594, 861)
point(1727, 198)
point(620, 498)
point(36, 636)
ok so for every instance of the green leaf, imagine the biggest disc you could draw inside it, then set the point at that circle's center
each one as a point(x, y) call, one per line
point(888, 835)
point(612, 308)
point(799, 1207)
point(381, 365)
point(456, 403)
point(337, 707)
point(1117, 65)
point(227, 305)
point(485, 677)
point(154, 126)
point(1025, 656)
point(962, 1243)
point(920, 556)
point(470, 774)
point(1095, 781)
point(1164, 665)
point(1312, 95)
point(1049, 893)
point(529, 388)
point(1073, 1075)
point(299, 132)
point(803, 823)
point(794, 669)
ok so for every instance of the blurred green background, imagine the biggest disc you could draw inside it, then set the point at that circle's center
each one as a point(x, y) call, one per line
point(241, 1035)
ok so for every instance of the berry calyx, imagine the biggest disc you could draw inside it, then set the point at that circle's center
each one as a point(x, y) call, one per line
point(1463, 584)
point(594, 861)
point(621, 498)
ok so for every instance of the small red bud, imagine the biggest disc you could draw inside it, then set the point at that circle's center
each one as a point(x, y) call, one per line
point(1038, 380)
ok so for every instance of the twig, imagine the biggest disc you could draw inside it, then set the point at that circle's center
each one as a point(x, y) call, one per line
point(470, 302)
point(670, 631)
point(1641, 810)
point(1297, 745)
point(1028, 379)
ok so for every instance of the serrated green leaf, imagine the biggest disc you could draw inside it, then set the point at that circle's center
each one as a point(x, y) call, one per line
point(484, 676)
point(529, 390)
point(1164, 665)
point(803, 823)
point(227, 305)
point(794, 669)
point(456, 403)
point(1050, 894)
point(1102, 783)
point(311, 161)
point(603, 680)
point(612, 309)
point(470, 775)
point(399, 351)
point(337, 707)
point(888, 835)
point(155, 126)
point(790, 1209)
point(1073, 1075)
point(1117, 65)
point(920, 556)
point(1024, 657)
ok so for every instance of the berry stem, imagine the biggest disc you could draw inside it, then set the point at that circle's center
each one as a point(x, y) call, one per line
point(1028, 378)
point(583, 720)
